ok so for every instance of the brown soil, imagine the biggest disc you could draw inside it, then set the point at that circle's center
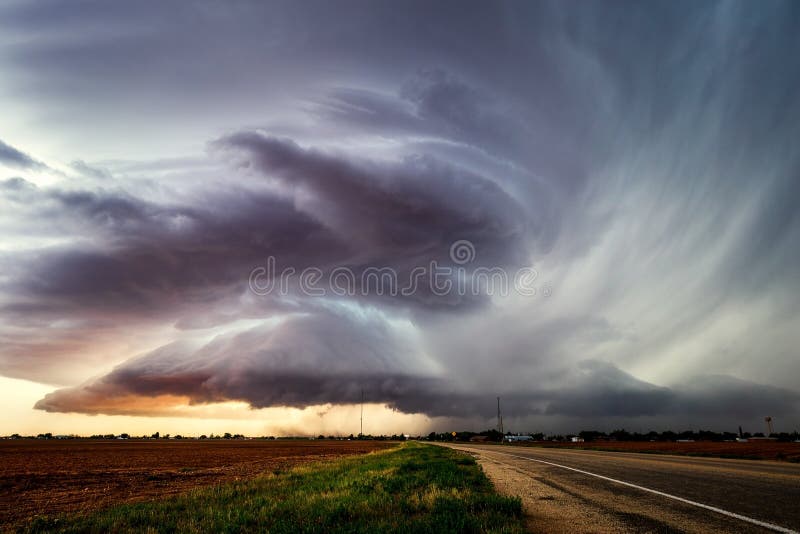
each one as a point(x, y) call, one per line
point(46, 477)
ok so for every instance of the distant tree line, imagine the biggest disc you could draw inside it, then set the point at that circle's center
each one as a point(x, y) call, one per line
point(226, 435)
point(669, 435)
point(490, 435)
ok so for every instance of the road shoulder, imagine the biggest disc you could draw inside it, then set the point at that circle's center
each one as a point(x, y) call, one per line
point(559, 500)
point(548, 508)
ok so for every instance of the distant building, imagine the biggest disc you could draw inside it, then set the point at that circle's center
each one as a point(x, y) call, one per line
point(512, 438)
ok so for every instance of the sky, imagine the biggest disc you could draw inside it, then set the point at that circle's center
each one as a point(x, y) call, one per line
point(247, 216)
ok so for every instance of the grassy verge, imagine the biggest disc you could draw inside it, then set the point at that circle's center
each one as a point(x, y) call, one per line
point(414, 488)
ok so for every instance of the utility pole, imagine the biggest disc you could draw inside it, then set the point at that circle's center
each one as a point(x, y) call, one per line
point(362, 414)
point(499, 417)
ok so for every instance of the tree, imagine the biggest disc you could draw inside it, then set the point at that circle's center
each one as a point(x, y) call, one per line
point(591, 435)
point(620, 435)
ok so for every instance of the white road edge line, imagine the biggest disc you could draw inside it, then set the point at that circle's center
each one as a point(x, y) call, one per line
point(776, 528)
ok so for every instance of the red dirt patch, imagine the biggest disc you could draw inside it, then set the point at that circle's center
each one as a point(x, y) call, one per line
point(46, 477)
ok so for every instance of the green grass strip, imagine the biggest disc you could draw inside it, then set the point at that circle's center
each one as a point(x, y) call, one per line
point(413, 488)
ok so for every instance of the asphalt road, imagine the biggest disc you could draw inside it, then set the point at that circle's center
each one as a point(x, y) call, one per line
point(758, 491)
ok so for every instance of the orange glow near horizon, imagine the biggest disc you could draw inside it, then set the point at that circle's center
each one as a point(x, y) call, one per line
point(180, 418)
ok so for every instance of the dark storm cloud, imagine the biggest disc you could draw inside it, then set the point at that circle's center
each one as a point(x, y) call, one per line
point(389, 210)
point(331, 358)
point(604, 390)
point(11, 157)
point(140, 261)
point(307, 360)
point(442, 109)
point(726, 396)
point(438, 103)
point(355, 214)
point(641, 155)
point(134, 249)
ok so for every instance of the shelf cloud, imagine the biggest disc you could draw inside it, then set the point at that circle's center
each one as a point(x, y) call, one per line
point(589, 211)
